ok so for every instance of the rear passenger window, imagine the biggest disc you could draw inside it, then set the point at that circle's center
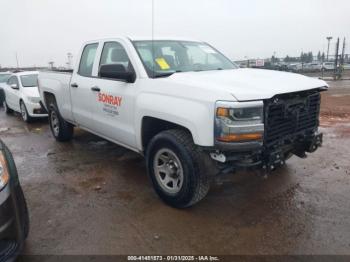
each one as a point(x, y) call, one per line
point(87, 60)
point(114, 53)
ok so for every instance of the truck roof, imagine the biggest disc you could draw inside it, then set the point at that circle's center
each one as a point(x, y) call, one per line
point(147, 38)
point(164, 38)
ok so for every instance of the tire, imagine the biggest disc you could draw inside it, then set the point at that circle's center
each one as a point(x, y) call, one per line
point(176, 167)
point(7, 109)
point(14, 182)
point(61, 129)
point(24, 113)
point(24, 212)
point(2, 97)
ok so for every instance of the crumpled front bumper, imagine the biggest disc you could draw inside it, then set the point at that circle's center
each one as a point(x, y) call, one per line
point(232, 156)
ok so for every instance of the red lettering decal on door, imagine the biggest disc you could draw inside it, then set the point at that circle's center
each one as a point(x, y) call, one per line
point(109, 99)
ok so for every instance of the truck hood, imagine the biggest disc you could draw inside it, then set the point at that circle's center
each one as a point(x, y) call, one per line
point(248, 84)
point(31, 91)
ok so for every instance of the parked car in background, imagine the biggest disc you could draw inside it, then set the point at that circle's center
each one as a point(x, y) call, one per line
point(328, 66)
point(346, 66)
point(14, 217)
point(312, 67)
point(295, 67)
point(187, 108)
point(4, 76)
point(22, 95)
point(275, 66)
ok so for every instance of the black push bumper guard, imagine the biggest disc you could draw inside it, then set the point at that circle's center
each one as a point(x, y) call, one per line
point(291, 123)
point(268, 158)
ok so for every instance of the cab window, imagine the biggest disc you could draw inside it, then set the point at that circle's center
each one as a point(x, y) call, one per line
point(87, 60)
point(114, 53)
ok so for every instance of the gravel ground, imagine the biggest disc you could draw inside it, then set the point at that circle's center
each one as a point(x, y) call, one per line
point(89, 196)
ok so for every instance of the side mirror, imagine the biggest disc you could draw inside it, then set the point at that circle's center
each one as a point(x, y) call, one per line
point(117, 71)
point(14, 86)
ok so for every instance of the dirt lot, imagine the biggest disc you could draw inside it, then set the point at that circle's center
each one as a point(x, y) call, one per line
point(92, 197)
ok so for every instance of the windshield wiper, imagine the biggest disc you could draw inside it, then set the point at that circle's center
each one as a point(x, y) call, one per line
point(166, 74)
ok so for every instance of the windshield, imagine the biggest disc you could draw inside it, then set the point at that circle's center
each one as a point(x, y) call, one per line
point(180, 56)
point(4, 77)
point(29, 80)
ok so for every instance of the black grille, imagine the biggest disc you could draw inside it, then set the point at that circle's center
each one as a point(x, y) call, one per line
point(287, 116)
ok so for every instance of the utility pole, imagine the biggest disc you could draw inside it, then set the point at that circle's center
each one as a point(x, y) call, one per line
point(329, 38)
point(51, 63)
point(69, 63)
point(336, 60)
point(17, 61)
point(342, 53)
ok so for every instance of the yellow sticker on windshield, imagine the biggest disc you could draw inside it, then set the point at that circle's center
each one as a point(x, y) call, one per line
point(162, 63)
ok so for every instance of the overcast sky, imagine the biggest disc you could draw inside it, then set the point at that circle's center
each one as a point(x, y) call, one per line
point(44, 30)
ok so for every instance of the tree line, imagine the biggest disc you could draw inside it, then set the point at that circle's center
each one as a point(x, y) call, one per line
point(307, 57)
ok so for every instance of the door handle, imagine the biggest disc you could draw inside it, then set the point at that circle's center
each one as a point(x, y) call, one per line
point(95, 88)
point(75, 85)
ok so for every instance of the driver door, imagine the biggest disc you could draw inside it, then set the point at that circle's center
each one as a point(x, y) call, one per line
point(113, 100)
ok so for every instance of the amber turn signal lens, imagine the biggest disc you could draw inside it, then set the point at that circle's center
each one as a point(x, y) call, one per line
point(4, 174)
point(221, 111)
point(240, 137)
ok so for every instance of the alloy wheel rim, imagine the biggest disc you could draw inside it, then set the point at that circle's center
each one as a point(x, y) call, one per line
point(168, 171)
point(54, 123)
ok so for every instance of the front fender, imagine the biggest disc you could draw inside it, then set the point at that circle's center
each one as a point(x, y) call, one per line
point(194, 115)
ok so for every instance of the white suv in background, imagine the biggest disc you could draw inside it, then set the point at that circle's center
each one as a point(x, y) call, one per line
point(22, 95)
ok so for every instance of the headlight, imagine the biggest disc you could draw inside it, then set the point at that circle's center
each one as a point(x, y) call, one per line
point(4, 174)
point(239, 121)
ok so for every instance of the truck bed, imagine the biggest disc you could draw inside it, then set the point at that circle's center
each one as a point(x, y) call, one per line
point(57, 82)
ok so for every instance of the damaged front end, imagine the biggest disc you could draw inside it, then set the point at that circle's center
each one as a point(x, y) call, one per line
point(288, 125)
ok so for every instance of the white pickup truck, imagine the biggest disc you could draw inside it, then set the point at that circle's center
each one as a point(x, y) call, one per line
point(187, 108)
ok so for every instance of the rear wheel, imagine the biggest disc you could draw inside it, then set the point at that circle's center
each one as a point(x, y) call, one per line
point(24, 113)
point(176, 167)
point(61, 129)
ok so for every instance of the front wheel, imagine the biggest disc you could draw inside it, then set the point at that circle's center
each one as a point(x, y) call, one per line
point(61, 129)
point(176, 167)
point(24, 113)
point(7, 109)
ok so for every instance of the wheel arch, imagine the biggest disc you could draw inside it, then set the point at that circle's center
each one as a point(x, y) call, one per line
point(48, 97)
point(192, 115)
point(152, 126)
